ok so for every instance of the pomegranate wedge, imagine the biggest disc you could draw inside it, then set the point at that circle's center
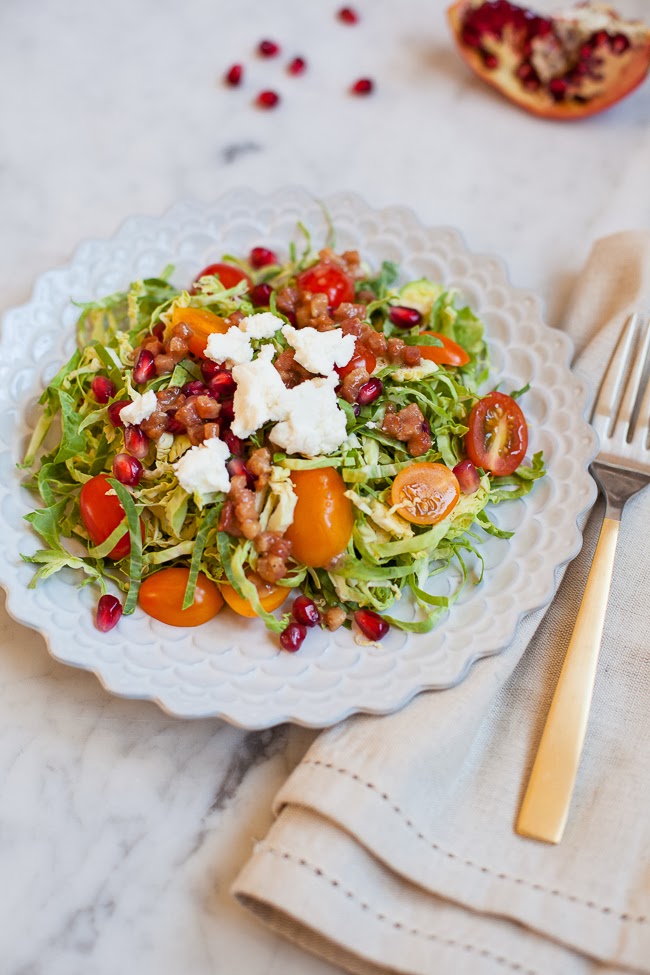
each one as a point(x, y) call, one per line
point(574, 64)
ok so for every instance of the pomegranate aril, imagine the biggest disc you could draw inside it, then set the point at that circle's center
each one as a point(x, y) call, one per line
point(234, 75)
point(305, 611)
point(261, 257)
point(370, 391)
point(490, 61)
point(109, 610)
point(174, 426)
point(237, 468)
point(222, 385)
point(136, 442)
point(114, 412)
point(363, 86)
point(268, 49)
point(467, 477)
point(371, 624)
point(261, 295)
point(348, 15)
point(600, 38)
point(404, 317)
point(209, 369)
point(297, 66)
point(619, 44)
point(557, 87)
point(145, 368)
point(356, 409)
point(267, 99)
point(128, 470)
point(194, 388)
point(233, 443)
point(158, 331)
point(103, 389)
point(227, 414)
point(292, 637)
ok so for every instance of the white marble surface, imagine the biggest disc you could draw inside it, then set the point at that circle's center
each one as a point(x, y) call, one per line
point(120, 828)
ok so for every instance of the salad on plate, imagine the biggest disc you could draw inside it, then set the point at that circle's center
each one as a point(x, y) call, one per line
point(305, 424)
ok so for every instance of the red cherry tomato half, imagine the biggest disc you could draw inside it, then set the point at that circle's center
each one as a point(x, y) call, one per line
point(328, 279)
point(228, 274)
point(161, 596)
point(498, 436)
point(362, 358)
point(447, 354)
point(101, 513)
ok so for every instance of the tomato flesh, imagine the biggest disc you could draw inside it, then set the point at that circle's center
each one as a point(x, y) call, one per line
point(323, 518)
point(161, 596)
point(426, 493)
point(270, 597)
point(498, 436)
point(228, 274)
point(203, 323)
point(101, 513)
point(362, 358)
point(328, 279)
point(447, 354)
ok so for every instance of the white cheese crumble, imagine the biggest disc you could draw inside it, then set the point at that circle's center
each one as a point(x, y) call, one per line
point(314, 423)
point(231, 347)
point(202, 469)
point(262, 325)
point(139, 409)
point(260, 395)
point(319, 352)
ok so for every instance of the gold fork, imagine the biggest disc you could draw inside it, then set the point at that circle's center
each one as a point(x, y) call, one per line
point(621, 418)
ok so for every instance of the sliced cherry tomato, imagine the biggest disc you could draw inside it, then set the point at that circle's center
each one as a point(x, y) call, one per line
point(328, 279)
point(228, 274)
point(203, 323)
point(270, 597)
point(362, 357)
point(323, 517)
point(498, 436)
point(101, 513)
point(447, 354)
point(161, 596)
point(425, 492)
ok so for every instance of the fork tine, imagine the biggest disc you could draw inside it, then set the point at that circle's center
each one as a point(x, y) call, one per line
point(632, 386)
point(642, 429)
point(608, 395)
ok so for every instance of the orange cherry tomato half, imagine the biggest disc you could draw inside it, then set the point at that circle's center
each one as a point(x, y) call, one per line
point(161, 596)
point(228, 274)
point(329, 279)
point(203, 323)
point(497, 439)
point(101, 513)
point(362, 358)
point(426, 493)
point(270, 597)
point(447, 354)
point(323, 517)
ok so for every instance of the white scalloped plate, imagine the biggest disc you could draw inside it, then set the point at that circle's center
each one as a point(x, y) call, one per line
point(232, 668)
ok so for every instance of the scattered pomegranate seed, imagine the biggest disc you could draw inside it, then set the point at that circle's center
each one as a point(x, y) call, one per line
point(261, 295)
point(268, 49)
point(371, 624)
point(467, 477)
point(103, 389)
point(404, 317)
point(619, 44)
point(363, 86)
point(234, 75)
point(261, 257)
point(158, 331)
point(297, 66)
point(114, 412)
point(292, 637)
point(144, 368)
point(128, 470)
point(233, 443)
point(305, 611)
point(109, 610)
point(267, 99)
point(490, 61)
point(557, 87)
point(209, 369)
point(348, 15)
point(236, 468)
point(136, 442)
point(227, 414)
point(194, 388)
point(370, 391)
point(174, 425)
point(222, 385)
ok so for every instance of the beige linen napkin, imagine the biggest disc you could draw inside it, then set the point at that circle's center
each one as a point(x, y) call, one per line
point(394, 850)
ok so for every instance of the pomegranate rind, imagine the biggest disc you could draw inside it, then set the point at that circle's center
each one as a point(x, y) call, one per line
point(622, 74)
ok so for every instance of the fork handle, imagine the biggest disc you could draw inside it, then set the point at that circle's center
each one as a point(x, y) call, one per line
point(545, 806)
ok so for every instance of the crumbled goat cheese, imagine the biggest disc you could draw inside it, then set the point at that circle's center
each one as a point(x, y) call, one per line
point(202, 469)
point(262, 325)
point(260, 395)
point(139, 409)
point(320, 352)
point(231, 347)
point(314, 423)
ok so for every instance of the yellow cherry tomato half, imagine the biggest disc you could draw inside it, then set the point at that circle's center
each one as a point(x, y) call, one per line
point(426, 493)
point(203, 323)
point(323, 517)
point(161, 596)
point(270, 597)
